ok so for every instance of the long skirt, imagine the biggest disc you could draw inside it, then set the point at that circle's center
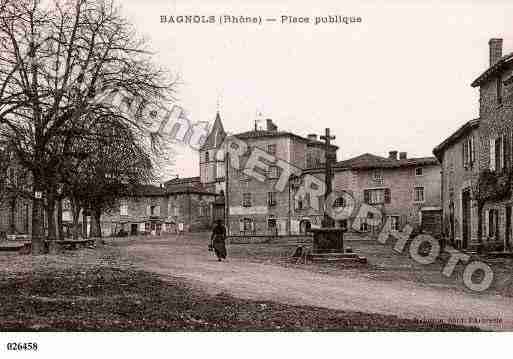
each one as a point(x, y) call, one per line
point(219, 248)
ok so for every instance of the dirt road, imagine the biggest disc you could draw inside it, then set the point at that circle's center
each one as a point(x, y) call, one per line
point(181, 257)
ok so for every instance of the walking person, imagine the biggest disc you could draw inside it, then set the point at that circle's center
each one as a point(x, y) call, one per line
point(218, 240)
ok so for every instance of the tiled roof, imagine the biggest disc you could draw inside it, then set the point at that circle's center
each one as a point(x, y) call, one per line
point(492, 70)
point(148, 190)
point(264, 133)
point(185, 185)
point(181, 181)
point(369, 161)
point(437, 151)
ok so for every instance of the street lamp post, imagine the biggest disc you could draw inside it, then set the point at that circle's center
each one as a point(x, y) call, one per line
point(294, 182)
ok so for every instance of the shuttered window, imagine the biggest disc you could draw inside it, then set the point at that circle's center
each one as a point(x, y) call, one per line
point(123, 208)
point(492, 154)
point(246, 199)
point(377, 196)
point(418, 194)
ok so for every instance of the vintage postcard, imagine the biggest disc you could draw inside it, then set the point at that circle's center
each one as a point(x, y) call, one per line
point(274, 166)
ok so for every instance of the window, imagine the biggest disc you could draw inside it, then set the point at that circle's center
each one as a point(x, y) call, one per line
point(243, 177)
point(203, 210)
point(207, 157)
point(339, 202)
point(299, 203)
point(499, 91)
point(220, 171)
point(468, 152)
point(419, 194)
point(377, 196)
point(271, 149)
point(271, 199)
point(271, 224)
point(154, 210)
point(273, 172)
point(378, 176)
point(497, 147)
point(309, 160)
point(394, 223)
point(247, 225)
point(123, 208)
point(493, 223)
point(246, 200)
point(418, 171)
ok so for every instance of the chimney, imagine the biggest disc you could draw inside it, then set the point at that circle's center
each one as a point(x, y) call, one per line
point(312, 137)
point(392, 155)
point(270, 125)
point(495, 50)
point(402, 155)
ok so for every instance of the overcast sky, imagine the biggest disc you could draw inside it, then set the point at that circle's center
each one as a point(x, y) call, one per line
point(400, 80)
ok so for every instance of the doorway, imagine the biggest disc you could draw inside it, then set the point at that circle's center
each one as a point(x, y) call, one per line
point(304, 226)
point(466, 220)
point(133, 229)
point(507, 239)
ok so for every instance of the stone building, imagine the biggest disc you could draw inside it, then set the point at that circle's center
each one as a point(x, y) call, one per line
point(155, 210)
point(405, 190)
point(460, 172)
point(495, 156)
point(255, 206)
point(15, 203)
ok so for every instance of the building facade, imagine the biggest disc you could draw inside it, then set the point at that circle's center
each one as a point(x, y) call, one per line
point(404, 190)
point(495, 156)
point(254, 206)
point(460, 173)
point(154, 210)
point(15, 203)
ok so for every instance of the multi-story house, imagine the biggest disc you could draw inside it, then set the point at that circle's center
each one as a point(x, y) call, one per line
point(495, 156)
point(405, 190)
point(160, 209)
point(460, 172)
point(252, 205)
point(15, 203)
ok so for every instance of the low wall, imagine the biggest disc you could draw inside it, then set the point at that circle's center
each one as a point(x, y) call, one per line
point(256, 238)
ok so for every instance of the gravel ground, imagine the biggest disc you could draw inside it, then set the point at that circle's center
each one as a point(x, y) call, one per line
point(99, 290)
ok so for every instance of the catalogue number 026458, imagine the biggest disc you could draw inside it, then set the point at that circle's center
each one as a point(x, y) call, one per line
point(22, 346)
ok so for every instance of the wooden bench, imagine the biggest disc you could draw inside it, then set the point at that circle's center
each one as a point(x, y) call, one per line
point(72, 243)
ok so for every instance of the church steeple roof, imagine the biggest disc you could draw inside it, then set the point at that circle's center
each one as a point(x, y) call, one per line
point(216, 136)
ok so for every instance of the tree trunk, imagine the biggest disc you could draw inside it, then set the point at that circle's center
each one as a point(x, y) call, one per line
point(480, 223)
point(60, 231)
point(50, 215)
point(75, 212)
point(84, 223)
point(12, 215)
point(96, 228)
point(38, 246)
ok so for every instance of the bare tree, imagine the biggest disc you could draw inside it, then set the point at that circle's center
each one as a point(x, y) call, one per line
point(112, 168)
point(56, 61)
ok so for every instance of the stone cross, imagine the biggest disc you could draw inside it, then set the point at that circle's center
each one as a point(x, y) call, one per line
point(328, 175)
